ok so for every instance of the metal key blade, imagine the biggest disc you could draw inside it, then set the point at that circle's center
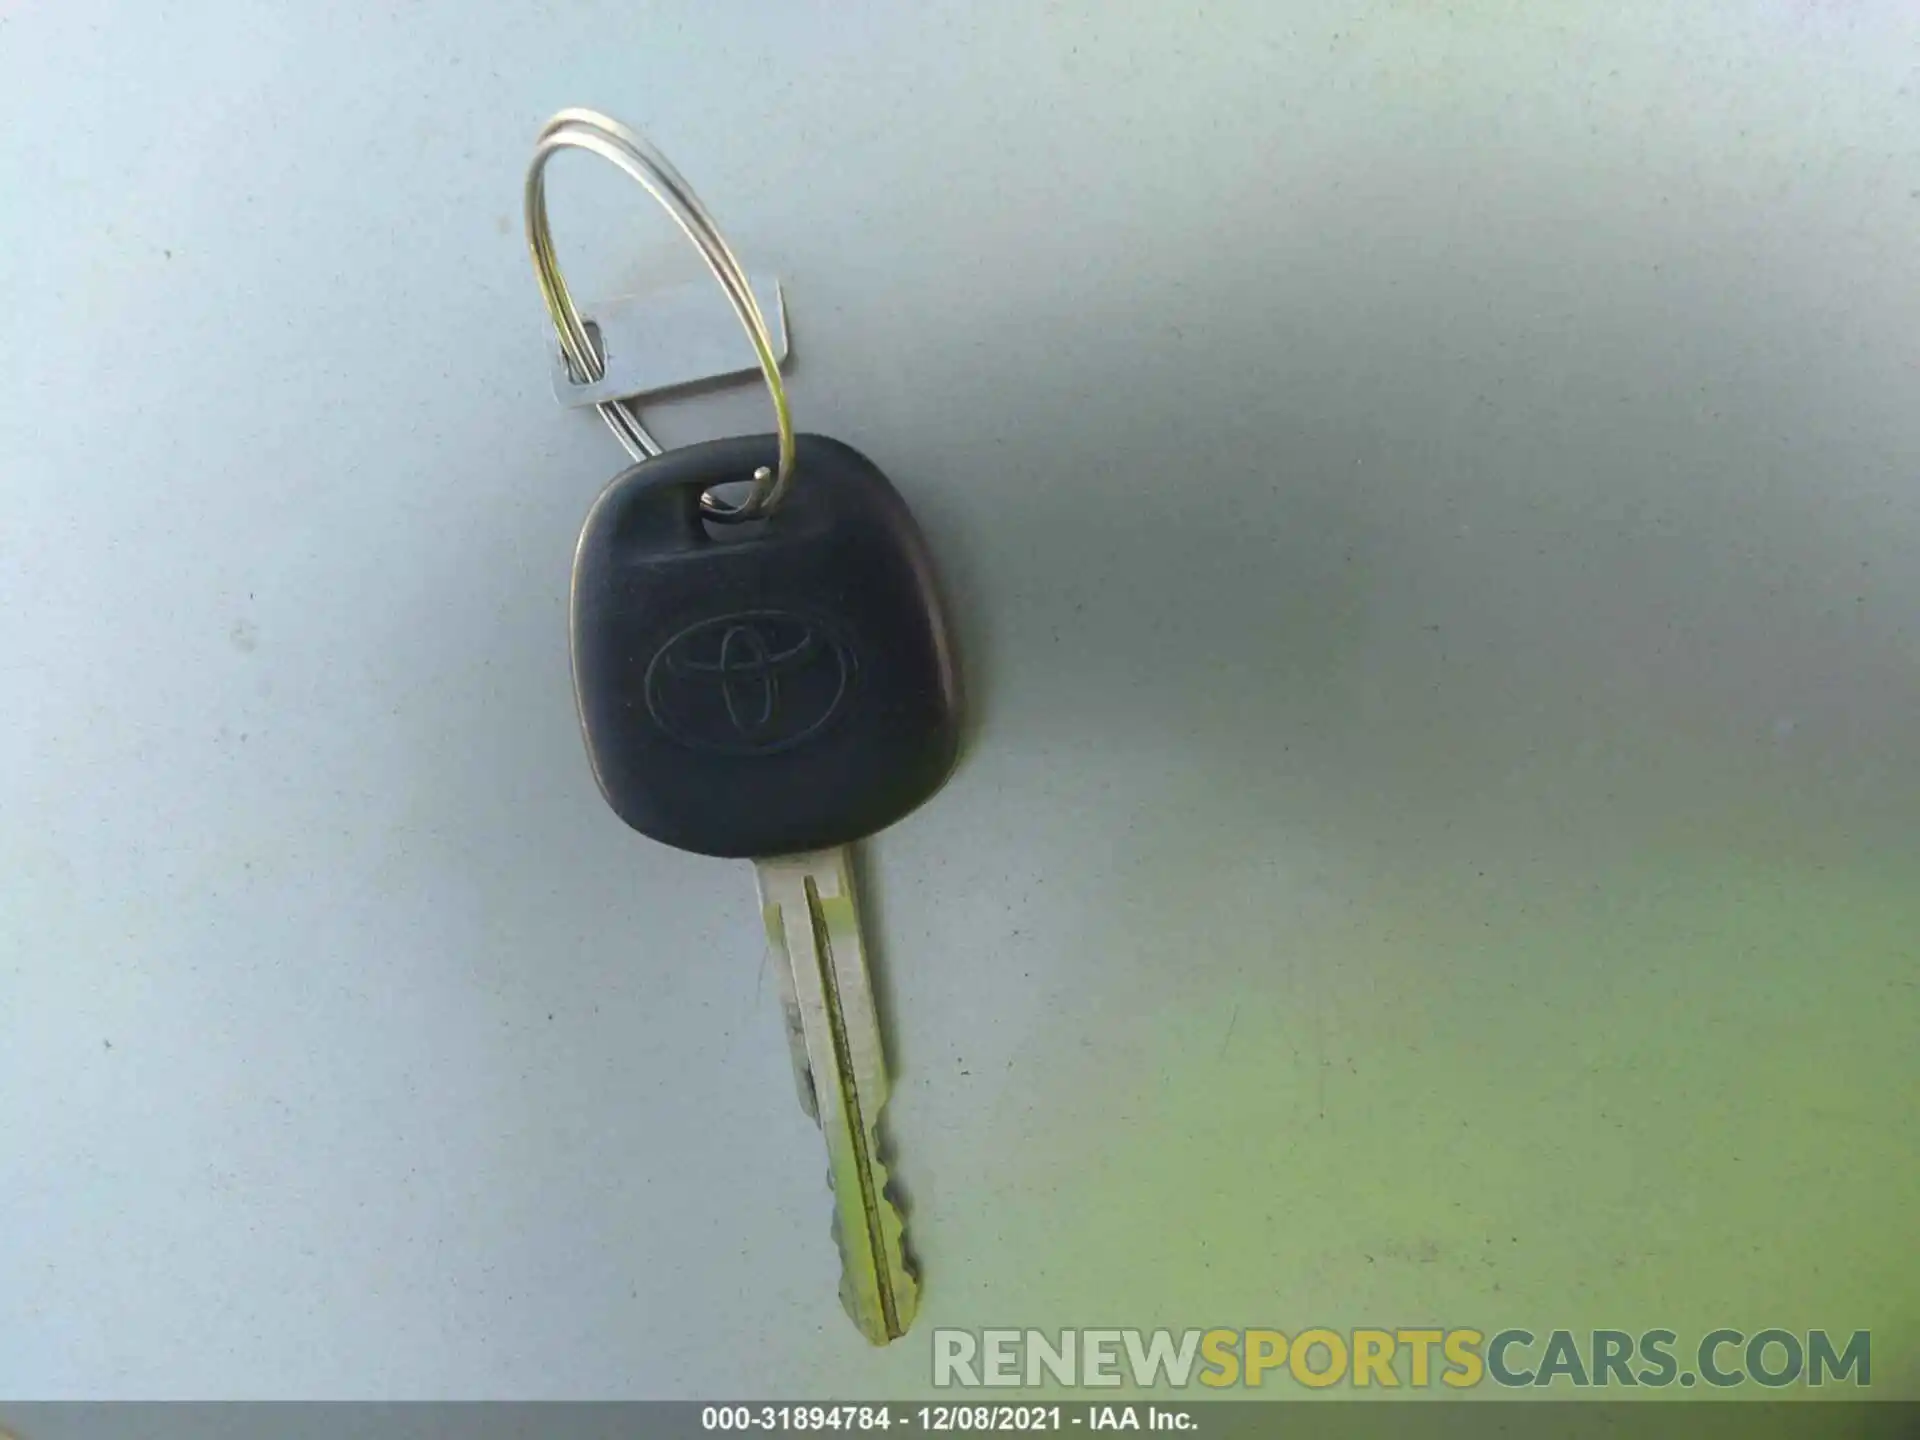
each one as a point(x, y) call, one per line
point(812, 919)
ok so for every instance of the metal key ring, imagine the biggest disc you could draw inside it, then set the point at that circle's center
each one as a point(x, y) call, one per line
point(599, 135)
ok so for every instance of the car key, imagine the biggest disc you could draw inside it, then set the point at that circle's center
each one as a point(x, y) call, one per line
point(779, 690)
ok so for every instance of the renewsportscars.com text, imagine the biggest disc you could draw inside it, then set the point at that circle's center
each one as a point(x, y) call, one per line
point(1411, 1357)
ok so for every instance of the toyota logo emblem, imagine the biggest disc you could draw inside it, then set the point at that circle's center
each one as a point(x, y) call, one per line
point(749, 684)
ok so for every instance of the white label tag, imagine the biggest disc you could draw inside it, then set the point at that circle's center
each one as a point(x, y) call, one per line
point(669, 340)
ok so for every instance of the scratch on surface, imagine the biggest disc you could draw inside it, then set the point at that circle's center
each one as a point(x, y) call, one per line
point(1232, 1020)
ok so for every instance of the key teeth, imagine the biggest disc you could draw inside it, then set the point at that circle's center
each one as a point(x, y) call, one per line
point(893, 1243)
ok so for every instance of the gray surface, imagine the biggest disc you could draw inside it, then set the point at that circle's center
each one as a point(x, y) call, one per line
point(1431, 497)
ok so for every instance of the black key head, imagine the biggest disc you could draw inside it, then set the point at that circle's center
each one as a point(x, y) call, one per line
point(780, 685)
